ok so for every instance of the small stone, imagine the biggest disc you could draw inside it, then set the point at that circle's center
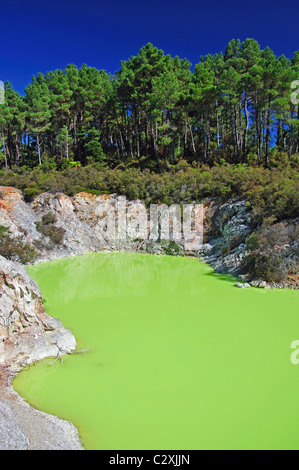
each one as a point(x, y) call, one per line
point(263, 285)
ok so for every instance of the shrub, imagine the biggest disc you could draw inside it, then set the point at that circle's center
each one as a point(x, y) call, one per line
point(2, 229)
point(252, 242)
point(271, 192)
point(236, 240)
point(46, 227)
point(55, 234)
point(272, 251)
point(48, 218)
point(225, 250)
point(31, 193)
point(15, 249)
point(171, 248)
point(267, 267)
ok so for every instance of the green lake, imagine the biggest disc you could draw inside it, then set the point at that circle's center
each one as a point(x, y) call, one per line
point(178, 357)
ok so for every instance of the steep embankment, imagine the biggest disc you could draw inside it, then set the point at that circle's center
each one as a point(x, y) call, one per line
point(27, 333)
point(58, 225)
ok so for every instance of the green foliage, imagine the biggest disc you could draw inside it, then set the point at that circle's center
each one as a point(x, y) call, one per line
point(46, 227)
point(267, 247)
point(269, 192)
point(252, 242)
point(171, 248)
point(31, 193)
point(234, 108)
point(236, 240)
point(2, 230)
point(225, 250)
point(48, 218)
point(15, 249)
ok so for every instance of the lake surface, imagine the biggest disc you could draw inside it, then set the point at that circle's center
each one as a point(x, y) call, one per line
point(178, 357)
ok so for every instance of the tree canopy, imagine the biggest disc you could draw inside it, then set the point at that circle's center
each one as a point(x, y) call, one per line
point(234, 106)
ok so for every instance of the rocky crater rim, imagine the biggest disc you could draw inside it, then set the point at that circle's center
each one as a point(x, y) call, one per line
point(56, 226)
point(77, 229)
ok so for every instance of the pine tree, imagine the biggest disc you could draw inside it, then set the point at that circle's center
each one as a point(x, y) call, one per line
point(38, 118)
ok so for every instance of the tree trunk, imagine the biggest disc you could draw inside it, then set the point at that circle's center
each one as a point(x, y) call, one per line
point(154, 146)
point(217, 127)
point(278, 138)
point(268, 133)
point(67, 144)
point(192, 141)
point(38, 149)
point(208, 138)
point(258, 134)
point(290, 141)
point(17, 153)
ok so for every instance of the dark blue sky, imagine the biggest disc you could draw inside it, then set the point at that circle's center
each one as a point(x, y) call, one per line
point(37, 36)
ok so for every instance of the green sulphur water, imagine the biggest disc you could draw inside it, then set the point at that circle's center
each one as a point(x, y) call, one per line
point(178, 357)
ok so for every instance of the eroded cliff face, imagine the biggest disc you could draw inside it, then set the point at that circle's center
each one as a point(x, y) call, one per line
point(83, 218)
point(80, 221)
point(228, 227)
point(27, 333)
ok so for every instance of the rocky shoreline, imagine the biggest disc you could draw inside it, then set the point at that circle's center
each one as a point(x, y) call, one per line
point(25, 428)
point(28, 334)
